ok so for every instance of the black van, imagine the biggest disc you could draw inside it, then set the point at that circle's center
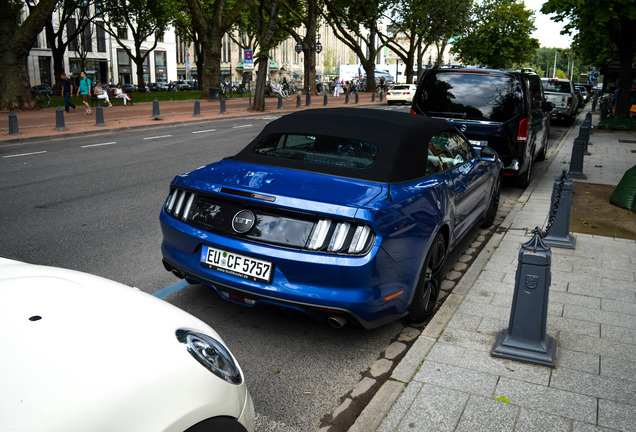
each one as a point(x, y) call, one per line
point(505, 110)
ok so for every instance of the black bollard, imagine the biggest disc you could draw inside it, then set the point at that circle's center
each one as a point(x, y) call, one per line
point(280, 102)
point(299, 102)
point(576, 162)
point(308, 98)
point(223, 110)
point(357, 99)
point(59, 119)
point(155, 110)
point(13, 124)
point(381, 96)
point(584, 134)
point(346, 98)
point(99, 116)
point(558, 230)
point(197, 108)
point(525, 339)
point(595, 101)
point(373, 97)
point(325, 101)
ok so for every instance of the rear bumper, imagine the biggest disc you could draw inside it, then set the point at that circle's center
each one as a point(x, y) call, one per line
point(319, 285)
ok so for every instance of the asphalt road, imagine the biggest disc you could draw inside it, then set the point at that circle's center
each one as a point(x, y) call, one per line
point(92, 204)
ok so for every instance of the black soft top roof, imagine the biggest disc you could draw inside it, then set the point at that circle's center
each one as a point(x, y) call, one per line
point(402, 140)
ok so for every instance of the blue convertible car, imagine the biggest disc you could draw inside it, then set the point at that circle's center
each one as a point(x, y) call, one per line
point(346, 214)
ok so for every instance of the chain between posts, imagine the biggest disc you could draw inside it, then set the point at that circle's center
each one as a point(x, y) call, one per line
point(553, 213)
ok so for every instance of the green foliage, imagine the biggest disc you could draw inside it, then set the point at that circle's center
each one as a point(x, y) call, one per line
point(329, 62)
point(499, 35)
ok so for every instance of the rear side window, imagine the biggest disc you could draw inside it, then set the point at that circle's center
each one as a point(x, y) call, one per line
point(556, 86)
point(324, 150)
point(473, 96)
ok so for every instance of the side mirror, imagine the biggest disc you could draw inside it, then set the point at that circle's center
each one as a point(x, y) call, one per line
point(487, 154)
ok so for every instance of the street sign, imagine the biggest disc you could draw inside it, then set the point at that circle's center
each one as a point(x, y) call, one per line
point(248, 63)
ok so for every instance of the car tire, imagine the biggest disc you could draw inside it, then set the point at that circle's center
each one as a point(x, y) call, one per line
point(523, 180)
point(493, 206)
point(428, 286)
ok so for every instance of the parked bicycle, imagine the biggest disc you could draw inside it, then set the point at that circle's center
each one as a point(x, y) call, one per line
point(42, 97)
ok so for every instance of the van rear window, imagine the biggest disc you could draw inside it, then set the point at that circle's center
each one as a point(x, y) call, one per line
point(472, 96)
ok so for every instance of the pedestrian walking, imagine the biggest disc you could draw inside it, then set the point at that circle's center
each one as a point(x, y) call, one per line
point(336, 89)
point(67, 92)
point(85, 87)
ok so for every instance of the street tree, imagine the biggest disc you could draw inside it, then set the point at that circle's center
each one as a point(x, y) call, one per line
point(422, 23)
point(264, 17)
point(357, 23)
point(17, 37)
point(308, 13)
point(146, 20)
point(211, 19)
point(602, 30)
point(72, 17)
point(182, 22)
point(498, 35)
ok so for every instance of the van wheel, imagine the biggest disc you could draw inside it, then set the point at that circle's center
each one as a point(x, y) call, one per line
point(427, 289)
point(523, 180)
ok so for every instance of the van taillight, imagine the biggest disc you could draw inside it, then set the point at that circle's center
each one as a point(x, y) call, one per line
point(413, 111)
point(569, 101)
point(522, 135)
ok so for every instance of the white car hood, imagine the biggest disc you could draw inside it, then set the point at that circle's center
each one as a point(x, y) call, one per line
point(79, 352)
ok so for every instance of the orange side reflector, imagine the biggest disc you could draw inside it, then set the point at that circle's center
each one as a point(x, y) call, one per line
point(392, 296)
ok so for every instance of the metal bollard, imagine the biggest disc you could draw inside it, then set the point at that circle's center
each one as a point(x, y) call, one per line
point(326, 100)
point(197, 108)
point(298, 101)
point(558, 230)
point(373, 97)
point(346, 98)
point(357, 98)
point(594, 101)
point(584, 134)
point(59, 119)
point(525, 339)
point(308, 98)
point(13, 124)
point(222, 110)
point(155, 110)
point(280, 102)
point(576, 162)
point(99, 116)
point(381, 96)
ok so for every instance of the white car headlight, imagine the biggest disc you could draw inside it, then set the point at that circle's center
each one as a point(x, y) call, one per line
point(211, 354)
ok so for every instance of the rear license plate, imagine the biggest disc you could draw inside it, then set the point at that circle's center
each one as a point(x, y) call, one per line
point(237, 265)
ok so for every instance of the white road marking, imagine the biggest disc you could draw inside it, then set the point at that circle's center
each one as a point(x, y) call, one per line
point(23, 154)
point(204, 131)
point(157, 137)
point(241, 126)
point(100, 144)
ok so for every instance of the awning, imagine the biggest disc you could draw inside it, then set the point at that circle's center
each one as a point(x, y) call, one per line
point(273, 65)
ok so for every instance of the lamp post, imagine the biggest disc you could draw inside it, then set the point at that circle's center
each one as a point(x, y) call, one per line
point(306, 45)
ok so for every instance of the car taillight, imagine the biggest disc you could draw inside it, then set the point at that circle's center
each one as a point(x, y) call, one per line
point(412, 111)
point(522, 135)
point(569, 101)
point(340, 237)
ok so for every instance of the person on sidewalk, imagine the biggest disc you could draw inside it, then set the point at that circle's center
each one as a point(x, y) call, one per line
point(101, 93)
point(119, 94)
point(336, 90)
point(67, 92)
point(85, 90)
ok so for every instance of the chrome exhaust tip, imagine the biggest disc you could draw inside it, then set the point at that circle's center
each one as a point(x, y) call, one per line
point(337, 321)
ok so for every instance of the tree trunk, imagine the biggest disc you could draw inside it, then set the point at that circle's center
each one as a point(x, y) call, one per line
point(16, 41)
point(261, 82)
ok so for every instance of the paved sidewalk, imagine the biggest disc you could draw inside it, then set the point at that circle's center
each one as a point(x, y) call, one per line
point(449, 382)
point(40, 124)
